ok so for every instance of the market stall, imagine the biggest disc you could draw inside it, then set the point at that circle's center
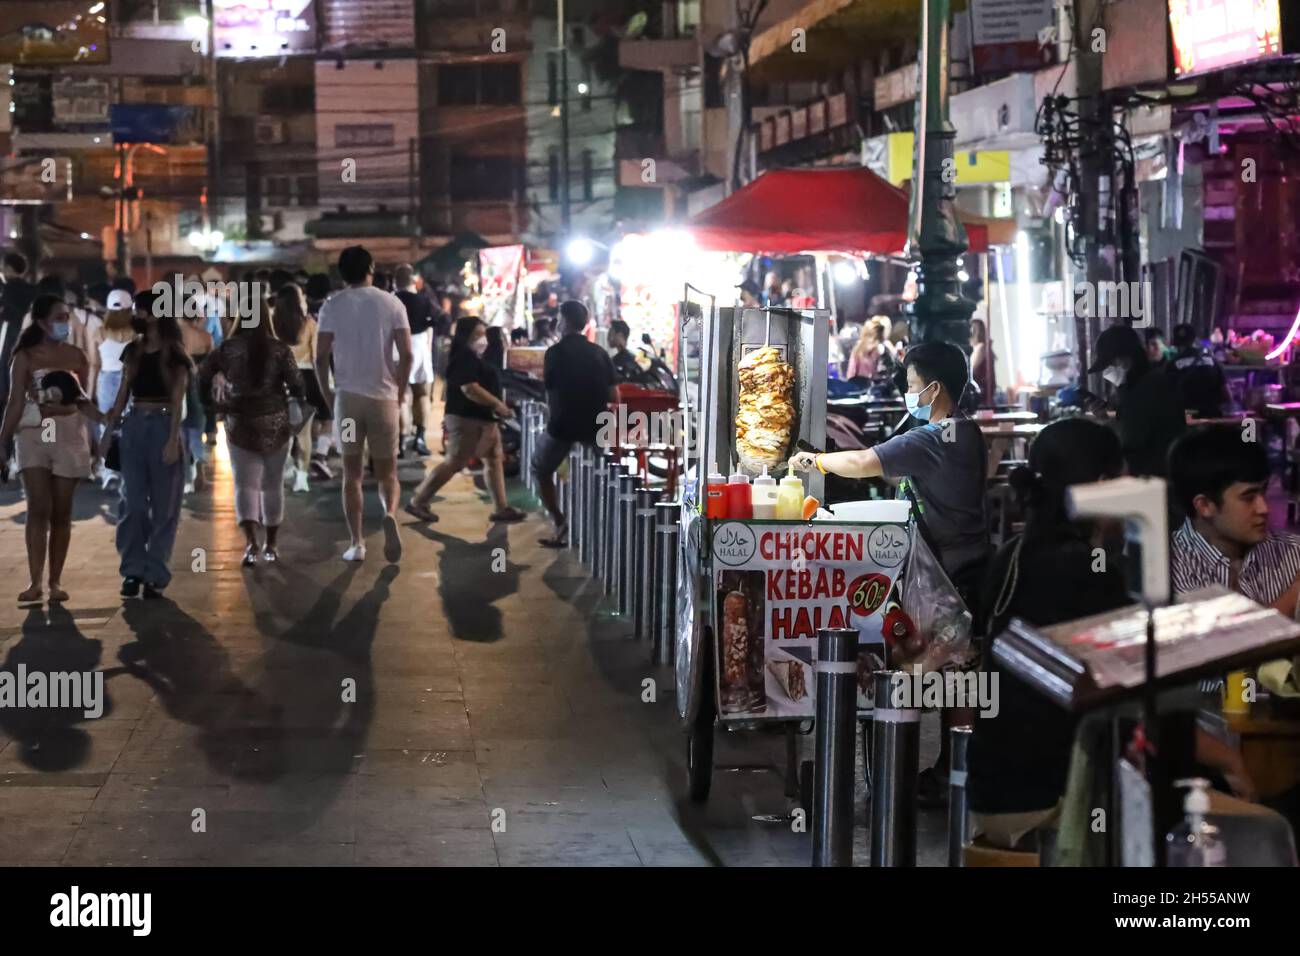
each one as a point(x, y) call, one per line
point(761, 567)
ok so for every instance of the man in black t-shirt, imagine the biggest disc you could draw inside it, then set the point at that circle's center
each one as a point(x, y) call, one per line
point(1201, 382)
point(580, 384)
point(624, 361)
point(16, 295)
point(419, 315)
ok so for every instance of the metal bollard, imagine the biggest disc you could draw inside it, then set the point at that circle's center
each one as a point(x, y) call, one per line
point(664, 626)
point(578, 523)
point(958, 818)
point(571, 495)
point(627, 536)
point(525, 440)
point(895, 762)
point(837, 712)
point(609, 566)
point(599, 487)
point(643, 570)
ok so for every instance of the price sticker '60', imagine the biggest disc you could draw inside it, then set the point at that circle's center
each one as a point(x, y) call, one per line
point(867, 592)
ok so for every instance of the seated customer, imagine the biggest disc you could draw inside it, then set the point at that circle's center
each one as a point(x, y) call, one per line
point(1222, 481)
point(1018, 759)
point(1201, 381)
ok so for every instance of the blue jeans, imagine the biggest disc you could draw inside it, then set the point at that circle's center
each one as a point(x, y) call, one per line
point(106, 394)
point(150, 508)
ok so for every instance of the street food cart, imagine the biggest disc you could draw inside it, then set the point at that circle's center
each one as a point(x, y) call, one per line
point(752, 594)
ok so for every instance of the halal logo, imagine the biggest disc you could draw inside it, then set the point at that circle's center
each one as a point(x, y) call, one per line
point(734, 543)
point(887, 545)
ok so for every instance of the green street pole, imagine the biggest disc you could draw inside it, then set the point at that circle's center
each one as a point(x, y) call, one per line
point(936, 237)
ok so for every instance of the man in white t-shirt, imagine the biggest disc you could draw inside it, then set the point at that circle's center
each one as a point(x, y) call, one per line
point(360, 328)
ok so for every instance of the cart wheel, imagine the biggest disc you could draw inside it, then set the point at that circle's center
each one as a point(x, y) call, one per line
point(699, 745)
point(806, 789)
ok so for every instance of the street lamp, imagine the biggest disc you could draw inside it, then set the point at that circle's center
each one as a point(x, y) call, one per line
point(207, 240)
point(936, 237)
point(580, 251)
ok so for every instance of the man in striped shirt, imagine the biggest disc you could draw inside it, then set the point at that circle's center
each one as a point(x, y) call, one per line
point(1221, 479)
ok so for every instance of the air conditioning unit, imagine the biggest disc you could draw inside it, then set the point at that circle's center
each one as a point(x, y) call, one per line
point(269, 131)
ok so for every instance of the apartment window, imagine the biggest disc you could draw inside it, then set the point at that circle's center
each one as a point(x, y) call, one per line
point(553, 174)
point(688, 17)
point(478, 84)
point(288, 98)
point(484, 177)
point(363, 134)
point(277, 191)
point(713, 82)
point(588, 186)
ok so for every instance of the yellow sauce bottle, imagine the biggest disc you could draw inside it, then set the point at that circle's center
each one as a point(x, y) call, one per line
point(789, 499)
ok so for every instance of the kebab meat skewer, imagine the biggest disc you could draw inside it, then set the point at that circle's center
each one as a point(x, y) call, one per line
point(765, 410)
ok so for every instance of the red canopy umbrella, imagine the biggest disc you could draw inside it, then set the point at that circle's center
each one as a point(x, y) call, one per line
point(787, 211)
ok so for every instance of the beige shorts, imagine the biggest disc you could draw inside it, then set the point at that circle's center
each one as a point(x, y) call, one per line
point(60, 444)
point(359, 419)
point(472, 438)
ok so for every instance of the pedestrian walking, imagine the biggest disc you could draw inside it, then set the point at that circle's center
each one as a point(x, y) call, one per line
point(473, 406)
point(198, 343)
point(360, 329)
point(580, 384)
point(51, 442)
point(258, 374)
point(296, 328)
point(419, 316)
point(112, 337)
point(156, 372)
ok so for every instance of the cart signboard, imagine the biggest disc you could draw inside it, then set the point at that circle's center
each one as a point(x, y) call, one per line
point(775, 584)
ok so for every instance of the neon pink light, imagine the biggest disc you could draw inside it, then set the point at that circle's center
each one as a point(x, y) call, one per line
point(1295, 328)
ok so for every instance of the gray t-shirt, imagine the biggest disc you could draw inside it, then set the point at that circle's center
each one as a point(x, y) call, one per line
point(944, 462)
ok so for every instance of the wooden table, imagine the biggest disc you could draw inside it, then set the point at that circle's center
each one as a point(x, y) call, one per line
point(1002, 436)
point(1269, 746)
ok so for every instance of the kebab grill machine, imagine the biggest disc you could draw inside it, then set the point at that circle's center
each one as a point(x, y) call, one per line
point(753, 387)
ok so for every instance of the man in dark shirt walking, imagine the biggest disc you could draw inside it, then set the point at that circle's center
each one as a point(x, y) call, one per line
point(419, 316)
point(580, 383)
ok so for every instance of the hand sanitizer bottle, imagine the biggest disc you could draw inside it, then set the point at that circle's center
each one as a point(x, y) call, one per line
point(1193, 841)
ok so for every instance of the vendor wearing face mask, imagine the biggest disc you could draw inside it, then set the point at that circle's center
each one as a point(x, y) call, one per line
point(940, 467)
point(1148, 405)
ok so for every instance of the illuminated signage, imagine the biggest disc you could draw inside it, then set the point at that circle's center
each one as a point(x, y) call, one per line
point(1211, 34)
point(53, 32)
point(253, 28)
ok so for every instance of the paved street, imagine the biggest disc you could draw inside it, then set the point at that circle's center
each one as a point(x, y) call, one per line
point(511, 696)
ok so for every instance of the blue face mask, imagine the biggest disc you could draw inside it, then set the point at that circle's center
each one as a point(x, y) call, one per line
point(914, 407)
point(59, 331)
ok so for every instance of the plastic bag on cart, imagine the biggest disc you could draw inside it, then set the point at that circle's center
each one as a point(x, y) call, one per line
point(934, 627)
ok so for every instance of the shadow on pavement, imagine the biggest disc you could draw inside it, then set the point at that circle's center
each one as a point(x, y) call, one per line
point(473, 576)
point(190, 672)
point(48, 737)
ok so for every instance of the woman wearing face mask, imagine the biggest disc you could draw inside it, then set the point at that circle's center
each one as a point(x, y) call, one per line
point(53, 449)
point(473, 404)
point(156, 373)
point(1148, 403)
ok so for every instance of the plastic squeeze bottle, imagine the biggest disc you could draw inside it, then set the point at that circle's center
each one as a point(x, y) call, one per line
point(739, 505)
point(715, 495)
point(789, 499)
point(1193, 841)
point(763, 496)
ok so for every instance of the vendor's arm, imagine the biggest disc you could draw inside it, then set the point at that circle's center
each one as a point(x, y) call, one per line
point(858, 463)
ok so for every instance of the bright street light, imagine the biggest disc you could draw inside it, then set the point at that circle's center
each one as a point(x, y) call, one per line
point(580, 251)
point(196, 26)
point(845, 272)
point(582, 89)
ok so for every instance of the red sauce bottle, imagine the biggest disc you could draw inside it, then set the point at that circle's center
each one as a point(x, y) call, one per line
point(740, 504)
point(715, 496)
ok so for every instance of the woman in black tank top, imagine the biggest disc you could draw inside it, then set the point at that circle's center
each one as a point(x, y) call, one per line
point(156, 373)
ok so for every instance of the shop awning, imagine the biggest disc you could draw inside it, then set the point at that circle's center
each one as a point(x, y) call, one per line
point(788, 211)
point(837, 34)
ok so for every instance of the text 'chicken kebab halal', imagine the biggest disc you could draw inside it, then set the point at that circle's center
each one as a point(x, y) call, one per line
point(765, 410)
